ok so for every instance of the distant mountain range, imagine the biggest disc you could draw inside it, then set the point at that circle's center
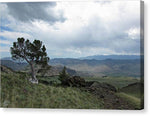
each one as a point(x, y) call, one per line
point(53, 71)
point(121, 57)
point(92, 66)
point(99, 68)
point(16, 66)
point(7, 58)
point(99, 57)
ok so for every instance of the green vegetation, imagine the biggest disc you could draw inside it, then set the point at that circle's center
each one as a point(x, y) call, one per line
point(49, 80)
point(32, 53)
point(17, 91)
point(57, 89)
point(118, 82)
point(134, 101)
point(130, 89)
point(63, 76)
point(135, 90)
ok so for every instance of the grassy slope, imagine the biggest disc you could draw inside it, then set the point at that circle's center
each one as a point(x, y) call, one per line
point(118, 82)
point(131, 94)
point(134, 101)
point(133, 90)
point(18, 92)
point(134, 94)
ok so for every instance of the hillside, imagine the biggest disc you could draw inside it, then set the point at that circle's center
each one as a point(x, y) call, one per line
point(18, 92)
point(99, 68)
point(5, 69)
point(14, 65)
point(55, 70)
point(22, 66)
point(132, 89)
point(52, 71)
point(87, 67)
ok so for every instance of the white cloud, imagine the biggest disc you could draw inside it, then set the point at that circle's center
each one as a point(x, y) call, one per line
point(14, 35)
point(4, 49)
point(90, 28)
point(5, 42)
point(134, 33)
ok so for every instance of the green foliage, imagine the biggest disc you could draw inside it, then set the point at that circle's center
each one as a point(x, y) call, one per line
point(63, 76)
point(49, 80)
point(17, 92)
point(32, 53)
point(25, 50)
point(118, 82)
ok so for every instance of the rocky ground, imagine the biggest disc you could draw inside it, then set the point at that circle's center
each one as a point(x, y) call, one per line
point(103, 91)
point(108, 92)
point(111, 101)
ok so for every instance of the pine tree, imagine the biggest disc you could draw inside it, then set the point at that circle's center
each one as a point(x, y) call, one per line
point(32, 53)
point(63, 76)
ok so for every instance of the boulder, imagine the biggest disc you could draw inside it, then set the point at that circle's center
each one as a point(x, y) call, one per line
point(105, 86)
point(75, 81)
point(34, 81)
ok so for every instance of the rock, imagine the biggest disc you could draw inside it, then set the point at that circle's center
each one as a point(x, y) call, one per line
point(89, 83)
point(105, 86)
point(34, 81)
point(101, 96)
point(117, 100)
point(6, 103)
point(75, 81)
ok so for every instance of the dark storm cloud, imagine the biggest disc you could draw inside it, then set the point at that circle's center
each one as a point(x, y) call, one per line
point(30, 11)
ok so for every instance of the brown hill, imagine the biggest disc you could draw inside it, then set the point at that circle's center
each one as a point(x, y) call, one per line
point(6, 69)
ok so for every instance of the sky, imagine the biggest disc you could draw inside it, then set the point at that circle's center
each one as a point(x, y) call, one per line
point(73, 29)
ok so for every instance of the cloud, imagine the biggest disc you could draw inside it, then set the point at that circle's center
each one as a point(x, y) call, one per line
point(133, 33)
point(6, 42)
point(13, 35)
point(30, 11)
point(4, 49)
point(90, 28)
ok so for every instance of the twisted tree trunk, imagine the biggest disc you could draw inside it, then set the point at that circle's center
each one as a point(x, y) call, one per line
point(34, 79)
